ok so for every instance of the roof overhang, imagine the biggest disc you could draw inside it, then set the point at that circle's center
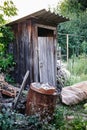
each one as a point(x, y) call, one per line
point(43, 17)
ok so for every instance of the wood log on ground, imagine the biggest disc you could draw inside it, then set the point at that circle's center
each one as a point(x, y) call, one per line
point(74, 94)
point(41, 100)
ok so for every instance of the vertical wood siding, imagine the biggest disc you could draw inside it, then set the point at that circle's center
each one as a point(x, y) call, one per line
point(34, 53)
point(21, 50)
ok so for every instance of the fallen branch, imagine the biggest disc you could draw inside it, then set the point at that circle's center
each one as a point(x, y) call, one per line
point(21, 89)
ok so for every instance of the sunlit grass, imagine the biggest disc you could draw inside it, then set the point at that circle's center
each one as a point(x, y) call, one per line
point(78, 70)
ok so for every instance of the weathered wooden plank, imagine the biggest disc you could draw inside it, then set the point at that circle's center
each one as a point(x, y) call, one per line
point(43, 59)
point(17, 55)
point(46, 26)
point(15, 50)
point(35, 52)
point(16, 29)
point(40, 57)
point(20, 51)
point(50, 60)
point(55, 54)
point(25, 49)
point(46, 60)
point(27, 44)
point(44, 53)
point(30, 50)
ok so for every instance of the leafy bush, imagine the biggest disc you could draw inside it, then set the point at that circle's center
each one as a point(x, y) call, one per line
point(6, 62)
point(6, 120)
point(9, 79)
point(16, 121)
point(59, 117)
point(6, 36)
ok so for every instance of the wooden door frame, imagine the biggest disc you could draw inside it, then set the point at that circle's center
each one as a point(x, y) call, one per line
point(54, 29)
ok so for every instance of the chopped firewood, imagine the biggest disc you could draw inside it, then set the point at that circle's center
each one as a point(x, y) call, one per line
point(10, 94)
point(8, 90)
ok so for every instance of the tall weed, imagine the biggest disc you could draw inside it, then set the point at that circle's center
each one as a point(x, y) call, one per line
point(78, 69)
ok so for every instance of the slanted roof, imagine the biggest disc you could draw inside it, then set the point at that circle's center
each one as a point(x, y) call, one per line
point(43, 17)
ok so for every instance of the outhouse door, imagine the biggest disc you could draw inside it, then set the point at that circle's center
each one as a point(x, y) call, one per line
point(46, 59)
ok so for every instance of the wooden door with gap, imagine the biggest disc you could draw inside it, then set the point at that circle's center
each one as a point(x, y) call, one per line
point(46, 60)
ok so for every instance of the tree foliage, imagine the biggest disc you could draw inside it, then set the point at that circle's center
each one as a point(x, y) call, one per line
point(7, 8)
point(72, 8)
point(83, 4)
point(76, 27)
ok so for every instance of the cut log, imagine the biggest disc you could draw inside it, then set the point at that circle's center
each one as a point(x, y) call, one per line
point(75, 93)
point(21, 89)
point(41, 100)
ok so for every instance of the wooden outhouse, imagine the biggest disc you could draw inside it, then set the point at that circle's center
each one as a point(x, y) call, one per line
point(34, 47)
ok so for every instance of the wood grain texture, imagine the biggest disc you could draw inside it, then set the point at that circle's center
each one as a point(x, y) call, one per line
point(35, 50)
point(42, 104)
point(46, 60)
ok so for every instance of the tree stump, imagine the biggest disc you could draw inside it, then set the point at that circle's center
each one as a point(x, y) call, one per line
point(41, 100)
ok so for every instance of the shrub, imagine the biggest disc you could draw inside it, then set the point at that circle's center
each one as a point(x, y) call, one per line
point(6, 62)
point(6, 120)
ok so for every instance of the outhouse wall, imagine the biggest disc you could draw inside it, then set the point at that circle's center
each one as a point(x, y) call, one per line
point(34, 49)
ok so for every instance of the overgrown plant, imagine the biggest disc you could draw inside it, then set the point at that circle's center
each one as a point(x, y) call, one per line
point(6, 37)
point(78, 69)
point(7, 8)
point(6, 60)
point(15, 121)
point(6, 120)
point(61, 122)
point(6, 63)
point(78, 123)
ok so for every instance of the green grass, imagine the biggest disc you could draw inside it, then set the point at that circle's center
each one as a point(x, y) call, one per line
point(78, 70)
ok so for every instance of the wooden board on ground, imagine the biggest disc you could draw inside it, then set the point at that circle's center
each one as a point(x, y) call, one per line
point(74, 94)
point(8, 89)
point(21, 88)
